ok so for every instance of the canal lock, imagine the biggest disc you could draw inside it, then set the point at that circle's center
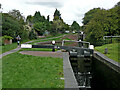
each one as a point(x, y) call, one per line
point(82, 69)
point(91, 73)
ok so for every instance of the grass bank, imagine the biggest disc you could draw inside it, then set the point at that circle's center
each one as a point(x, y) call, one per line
point(59, 38)
point(26, 71)
point(37, 49)
point(113, 51)
point(8, 47)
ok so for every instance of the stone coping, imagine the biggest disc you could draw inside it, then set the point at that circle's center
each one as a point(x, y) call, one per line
point(109, 62)
point(70, 80)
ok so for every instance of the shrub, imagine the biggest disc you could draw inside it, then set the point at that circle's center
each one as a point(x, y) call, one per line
point(7, 37)
point(32, 35)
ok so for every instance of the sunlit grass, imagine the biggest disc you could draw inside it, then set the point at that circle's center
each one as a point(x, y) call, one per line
point(26, 71)
point(113, 50)
point(8, 47)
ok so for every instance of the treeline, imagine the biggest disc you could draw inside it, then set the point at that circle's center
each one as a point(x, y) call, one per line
point(14, 24)
point(100, 22)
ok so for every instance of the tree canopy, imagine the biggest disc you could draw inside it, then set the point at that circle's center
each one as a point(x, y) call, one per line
point(12, 27)
point(57, 14)
point(17, 15)
point(75, 26)
point(100, 22)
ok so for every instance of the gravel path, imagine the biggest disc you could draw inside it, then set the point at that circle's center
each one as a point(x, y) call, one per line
point(43, 53)
point(9, 52)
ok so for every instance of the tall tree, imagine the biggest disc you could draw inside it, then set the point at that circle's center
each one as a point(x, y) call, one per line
point(75, 26)
point(37, 17)
point(58, 23)
point(29, 18)
point(12, 27)
point(57, 15)
point(17, 15)
point(89, 15)
point(48, 18)
point(0, 5)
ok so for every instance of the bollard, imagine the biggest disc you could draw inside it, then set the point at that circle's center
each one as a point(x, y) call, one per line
point(106, 50)
point(18, 42)
point(53, 43)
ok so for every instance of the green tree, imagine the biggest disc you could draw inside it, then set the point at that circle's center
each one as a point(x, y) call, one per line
point(40, 27)
point(32, 35)
point(89, 15)
point(37, 17)
point(48, 18)
point(17, 15)
point(57, 15)
point(12, 27)
point(75, 26)
point(29, 19)
point(0, 5)
point(66, 27)
point(57, 24)
point(103, 23)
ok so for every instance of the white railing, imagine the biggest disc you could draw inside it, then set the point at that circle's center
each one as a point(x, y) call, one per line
point(110, 36)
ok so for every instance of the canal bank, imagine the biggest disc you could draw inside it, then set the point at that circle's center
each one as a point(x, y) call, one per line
point(70, 80)
point(105, 72)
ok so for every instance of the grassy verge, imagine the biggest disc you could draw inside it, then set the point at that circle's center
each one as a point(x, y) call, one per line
point(113, 50)
point(9, 47)
point(46, 40)
point(52, 36)
point(56, 39)
point(26, 71)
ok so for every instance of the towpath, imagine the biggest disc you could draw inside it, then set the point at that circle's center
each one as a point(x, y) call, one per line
point(18, 48)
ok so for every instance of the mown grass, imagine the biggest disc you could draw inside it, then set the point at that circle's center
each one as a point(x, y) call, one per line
point(26, 71)
point(113, 51)
point(46, 40)
point(50, 36)
point(8, 47)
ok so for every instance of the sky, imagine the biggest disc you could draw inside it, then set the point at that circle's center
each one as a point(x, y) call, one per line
point(71, 10)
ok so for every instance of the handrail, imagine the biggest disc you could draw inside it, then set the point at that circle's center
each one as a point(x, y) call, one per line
point(74, 41)
point(109, 36)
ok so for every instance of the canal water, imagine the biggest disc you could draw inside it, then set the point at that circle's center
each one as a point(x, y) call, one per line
point(101, 76)
point(104, 76)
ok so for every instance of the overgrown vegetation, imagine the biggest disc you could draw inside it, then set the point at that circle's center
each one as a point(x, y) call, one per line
point(26, 71)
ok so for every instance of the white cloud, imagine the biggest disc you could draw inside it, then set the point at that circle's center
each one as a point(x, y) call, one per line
point(70, 9)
